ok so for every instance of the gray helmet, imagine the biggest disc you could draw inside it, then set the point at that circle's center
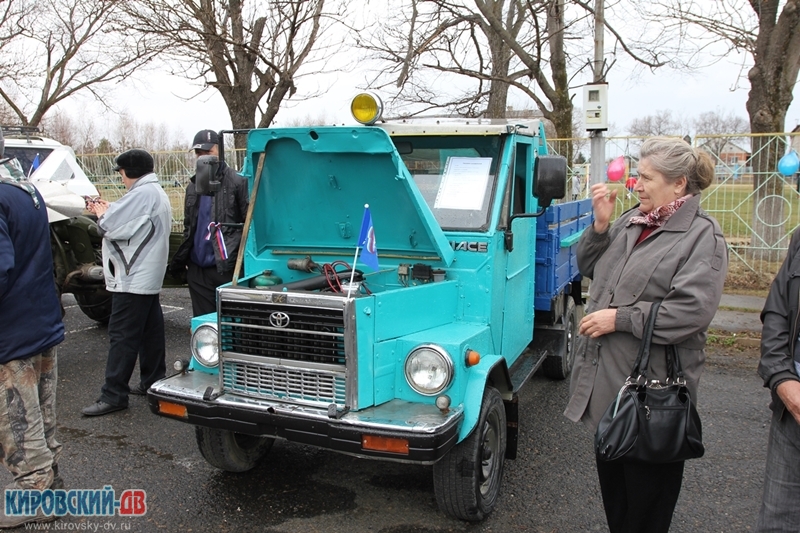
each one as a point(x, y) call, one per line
point(2, 144)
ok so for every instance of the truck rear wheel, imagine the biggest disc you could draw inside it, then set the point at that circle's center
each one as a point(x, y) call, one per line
point(467, 480)
point(559, 366)
point(233, 452)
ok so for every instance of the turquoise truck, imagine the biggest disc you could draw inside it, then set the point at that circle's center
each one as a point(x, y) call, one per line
point(419, 360)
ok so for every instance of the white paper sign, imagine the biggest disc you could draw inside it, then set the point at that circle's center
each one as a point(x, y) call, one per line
point(463, 184)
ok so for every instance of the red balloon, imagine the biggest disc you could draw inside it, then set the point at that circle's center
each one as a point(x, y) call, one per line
point(616, 169)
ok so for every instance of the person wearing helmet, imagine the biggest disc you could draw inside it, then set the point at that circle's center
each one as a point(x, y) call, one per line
point(213, 227)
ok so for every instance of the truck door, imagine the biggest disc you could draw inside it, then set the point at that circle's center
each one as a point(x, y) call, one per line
point(520, 263)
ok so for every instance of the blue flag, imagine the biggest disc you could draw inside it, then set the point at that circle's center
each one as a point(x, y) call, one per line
point(34, 165)
point(366, 240)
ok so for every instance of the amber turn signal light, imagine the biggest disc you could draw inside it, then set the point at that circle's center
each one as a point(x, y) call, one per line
point(172, 409)
point(384, 444)
point(472, 358)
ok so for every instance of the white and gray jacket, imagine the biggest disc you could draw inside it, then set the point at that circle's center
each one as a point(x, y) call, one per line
point(136, 238)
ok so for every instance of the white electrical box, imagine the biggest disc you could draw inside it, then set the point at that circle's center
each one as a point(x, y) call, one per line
point(595, 106)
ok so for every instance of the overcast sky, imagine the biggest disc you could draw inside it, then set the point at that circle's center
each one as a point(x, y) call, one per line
point(160, 99)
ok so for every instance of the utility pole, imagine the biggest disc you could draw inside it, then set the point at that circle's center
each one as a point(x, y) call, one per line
point(598, 142)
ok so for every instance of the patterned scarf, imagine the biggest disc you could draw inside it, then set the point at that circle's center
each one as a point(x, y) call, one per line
point(659, 216)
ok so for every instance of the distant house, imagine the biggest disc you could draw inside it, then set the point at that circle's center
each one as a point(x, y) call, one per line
point(795, 139)
point(724, 152)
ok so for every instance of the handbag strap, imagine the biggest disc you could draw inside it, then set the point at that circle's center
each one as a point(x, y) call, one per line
point(639, 370)
point(674, 369)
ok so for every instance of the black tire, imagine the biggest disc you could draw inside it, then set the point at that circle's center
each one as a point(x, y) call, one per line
point(96, 305)
point(229, 451)
point(467, 480)
point(559, 366)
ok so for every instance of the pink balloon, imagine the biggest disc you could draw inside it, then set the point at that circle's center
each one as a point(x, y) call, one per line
point(616, 169)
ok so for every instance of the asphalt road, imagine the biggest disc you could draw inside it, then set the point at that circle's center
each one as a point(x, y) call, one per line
point(550, 488)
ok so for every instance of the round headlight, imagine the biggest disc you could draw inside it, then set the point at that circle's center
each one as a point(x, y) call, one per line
point(205, 346)
point(366, 108)
point(429, 370)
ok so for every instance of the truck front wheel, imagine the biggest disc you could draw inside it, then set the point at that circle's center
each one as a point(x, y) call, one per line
point(233, 452)
point(467, 480)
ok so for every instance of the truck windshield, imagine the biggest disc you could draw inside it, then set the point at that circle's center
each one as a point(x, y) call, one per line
point(456, 176)
point(28, 155)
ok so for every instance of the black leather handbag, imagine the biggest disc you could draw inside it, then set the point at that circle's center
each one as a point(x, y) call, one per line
point(651, 422)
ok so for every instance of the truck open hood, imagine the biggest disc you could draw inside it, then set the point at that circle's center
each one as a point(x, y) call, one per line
point(314, 186)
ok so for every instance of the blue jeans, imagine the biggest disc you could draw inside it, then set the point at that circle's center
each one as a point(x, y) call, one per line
point(135, 330)
point(780, 505)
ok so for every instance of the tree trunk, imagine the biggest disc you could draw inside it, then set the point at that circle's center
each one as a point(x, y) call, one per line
point(562, 105)
point(772, 81)
point(498, 91)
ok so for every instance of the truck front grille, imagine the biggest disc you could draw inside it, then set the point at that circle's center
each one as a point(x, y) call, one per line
point(310, 334)
point(287, 384)
point(292, 349)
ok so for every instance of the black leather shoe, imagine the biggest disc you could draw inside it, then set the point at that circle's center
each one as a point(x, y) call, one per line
point(138, 390)
point(102, 408)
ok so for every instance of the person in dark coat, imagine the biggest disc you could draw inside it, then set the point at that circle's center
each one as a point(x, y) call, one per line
point(212, 230)
point(779, 367)
point(665, 248)
point(31, 326)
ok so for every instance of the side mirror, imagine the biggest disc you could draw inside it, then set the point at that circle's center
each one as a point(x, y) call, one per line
point(205, 172)
point(549, 179)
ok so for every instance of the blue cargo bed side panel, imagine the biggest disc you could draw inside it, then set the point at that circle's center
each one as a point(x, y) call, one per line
point(557, 234)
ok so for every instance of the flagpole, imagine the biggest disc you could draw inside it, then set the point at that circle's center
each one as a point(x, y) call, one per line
point(31, 169)
point(355, 258)
point(352, 273)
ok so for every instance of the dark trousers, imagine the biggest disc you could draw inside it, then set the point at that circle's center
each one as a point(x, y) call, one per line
point(779, 505)
point(639, 498)
point(135, 329)
point(203, 283)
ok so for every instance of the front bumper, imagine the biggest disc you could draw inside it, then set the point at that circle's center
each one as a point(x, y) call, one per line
point(430, 434)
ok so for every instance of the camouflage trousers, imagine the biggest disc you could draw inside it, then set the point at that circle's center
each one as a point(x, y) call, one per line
point(28, 446)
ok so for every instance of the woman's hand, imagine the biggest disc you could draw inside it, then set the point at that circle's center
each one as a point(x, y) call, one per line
point(599, 323)
point(603, 203)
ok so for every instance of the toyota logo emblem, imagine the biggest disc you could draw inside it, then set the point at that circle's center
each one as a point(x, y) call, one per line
point(279, 319)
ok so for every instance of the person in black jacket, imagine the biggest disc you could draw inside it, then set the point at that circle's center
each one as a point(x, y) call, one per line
point(31, 329)
point(210, 244)
point(779, 367)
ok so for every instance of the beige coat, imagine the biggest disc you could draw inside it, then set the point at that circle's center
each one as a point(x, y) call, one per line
point(684, 263)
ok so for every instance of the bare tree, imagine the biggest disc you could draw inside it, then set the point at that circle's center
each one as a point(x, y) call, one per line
point(769, 32)
point(60, 127)
point(500, 45)
point(252, 52)
point(51, 50)
point(662, 123)
point(717, 131)
point(476, 47)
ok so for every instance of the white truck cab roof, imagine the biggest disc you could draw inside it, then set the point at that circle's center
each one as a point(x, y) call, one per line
point(44, 159)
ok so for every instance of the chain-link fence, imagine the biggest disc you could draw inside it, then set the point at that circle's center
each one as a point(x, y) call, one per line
point(756, 206)
point(174, 169)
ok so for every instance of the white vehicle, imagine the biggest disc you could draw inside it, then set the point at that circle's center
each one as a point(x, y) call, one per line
point(45, 160)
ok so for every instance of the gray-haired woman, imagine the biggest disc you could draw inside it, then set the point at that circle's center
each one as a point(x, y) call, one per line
point(666, 248)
